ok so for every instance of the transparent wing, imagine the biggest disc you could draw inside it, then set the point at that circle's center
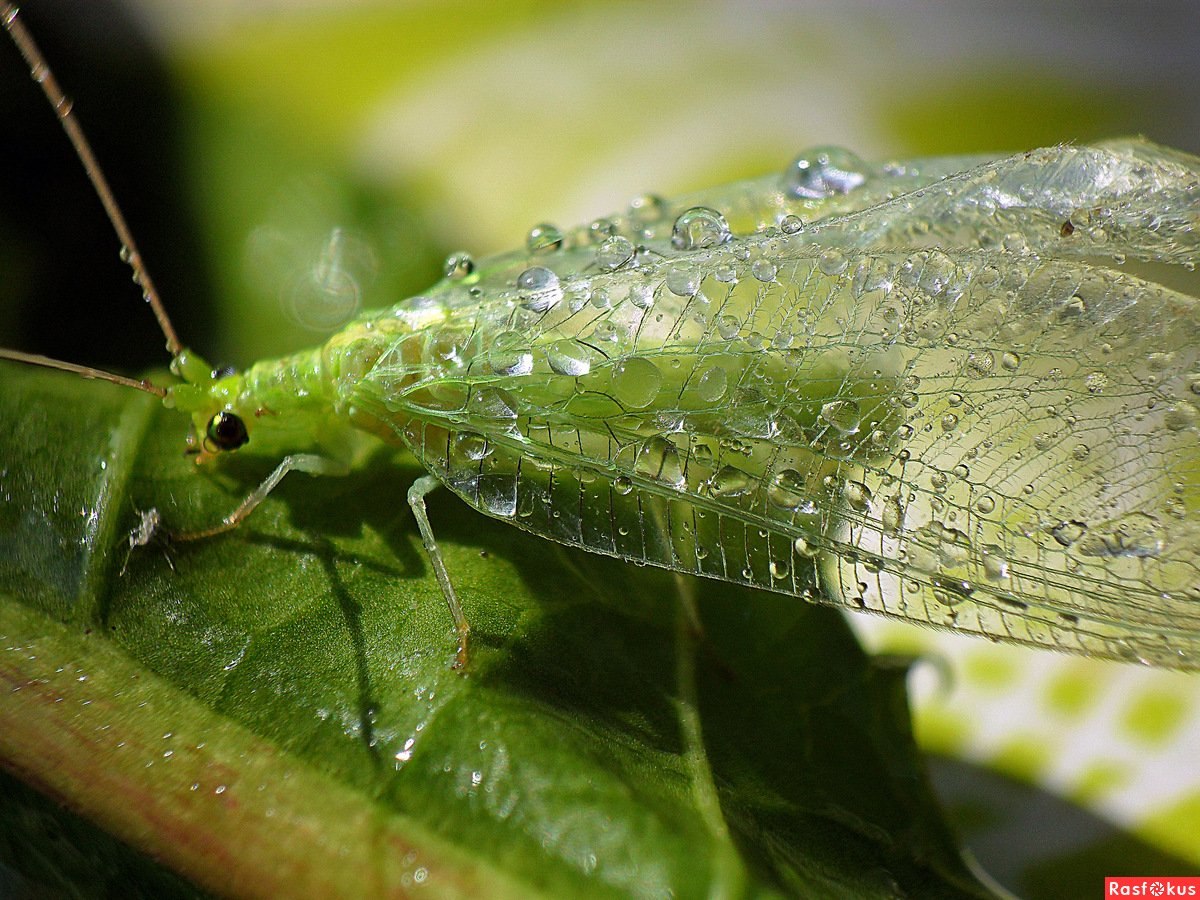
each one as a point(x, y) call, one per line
point(978, 437)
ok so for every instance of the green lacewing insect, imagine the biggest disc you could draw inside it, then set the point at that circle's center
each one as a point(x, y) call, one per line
point(945, 390)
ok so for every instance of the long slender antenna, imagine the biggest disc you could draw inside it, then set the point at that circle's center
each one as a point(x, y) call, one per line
point(34, 359)
point(40, 72)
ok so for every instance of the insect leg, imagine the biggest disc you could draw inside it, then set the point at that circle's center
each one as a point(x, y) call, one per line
point(300, 462)
point(421, 488)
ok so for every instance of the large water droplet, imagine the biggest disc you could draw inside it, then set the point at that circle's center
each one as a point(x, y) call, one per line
point(731, 482)
point(858, 495)
point(600, 230)
point(641, 296)
point(543, 238)
point(872, 275)
point(938, 275)
point(805, 547)
point(980, 363)
point(698, 228)
point(458, 266)
point(953, 546)
point(788, 490)
point(891, 517)
point(951, 591)
point(608, 332)
point(647, 209)
point(1067, 533)
point(1044, 440)
point(995, 563)
point(568, 357)
point(683, 280)
point(510, 354)
point(921, 557)
point(445, 350)
point(832, 262)
point(420, 310)
point(728, 326)
point(659, 459)
point(791, 224)
point(636, 382)
point(578, 291)
point(1136, 534)
point(615, 252)
point(492, 403)
point(712, 384)
point(823, 172)
point(498, 496)
point(1181, 417)
point(764, 270)
point(470, 445)
point(843, 415)
point(540, 289)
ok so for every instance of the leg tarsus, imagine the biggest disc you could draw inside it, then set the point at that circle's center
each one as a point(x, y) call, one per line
point(420, 489)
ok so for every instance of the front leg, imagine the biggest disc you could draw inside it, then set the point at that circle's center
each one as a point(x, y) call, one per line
point(150, 525)
point(299, 462)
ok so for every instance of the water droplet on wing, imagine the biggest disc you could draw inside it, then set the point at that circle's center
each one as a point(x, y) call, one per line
point(699, 228)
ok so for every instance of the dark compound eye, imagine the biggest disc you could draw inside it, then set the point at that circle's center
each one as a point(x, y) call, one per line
point(227, 431)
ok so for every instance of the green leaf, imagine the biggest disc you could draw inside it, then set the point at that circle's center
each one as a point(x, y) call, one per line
point(274, 709)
